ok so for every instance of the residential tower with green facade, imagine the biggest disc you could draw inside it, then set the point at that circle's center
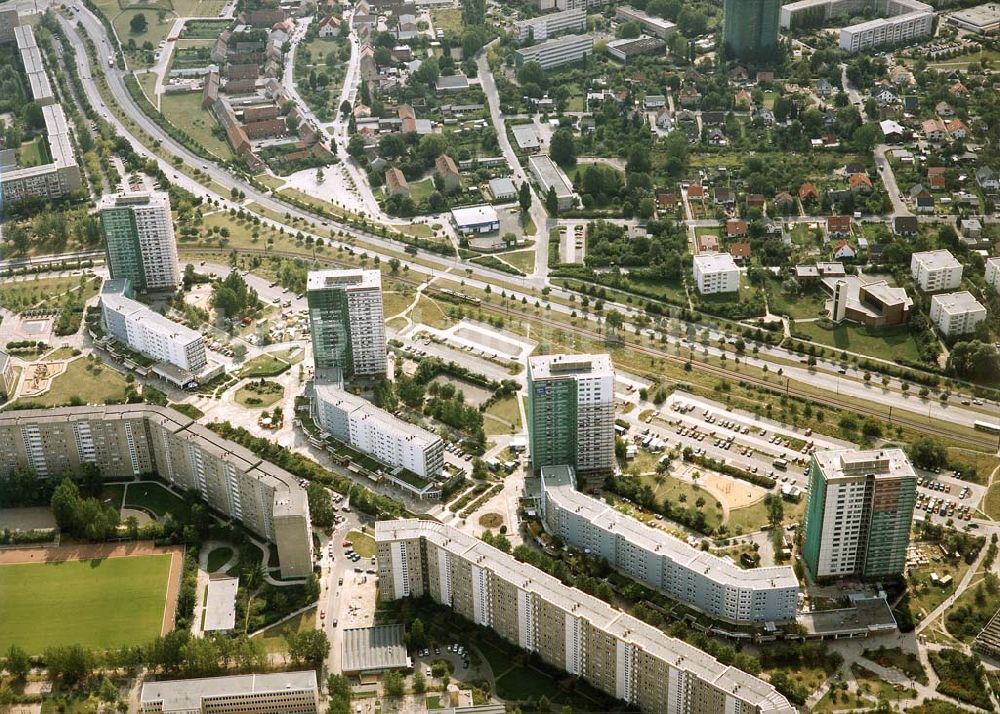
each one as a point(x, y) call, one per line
point(139, 239)
point(859, 513)
point(750, 28)
point(571, 412)
point(347, 322)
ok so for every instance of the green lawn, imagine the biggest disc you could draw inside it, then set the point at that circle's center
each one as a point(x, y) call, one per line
point(95, 603)
point(155, 498)
point(685, 495)
point(364, 544)
point(523, 260)
point(255, 396)
point(274, 636)
point(811, 303)
point(264, 366)
point(748, 518)
point(184, 111)
point(219, 557)
point(97, 385)
point(890, 343)
point(502, 416)
point(394, 302)
point(420, 190)
point(449, 20)
point(48, 292)
point(33, 153)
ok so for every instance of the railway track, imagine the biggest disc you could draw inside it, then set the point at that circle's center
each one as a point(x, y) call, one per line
point(987, 443)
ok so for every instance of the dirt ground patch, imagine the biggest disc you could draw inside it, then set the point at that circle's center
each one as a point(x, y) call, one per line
point(732, 493)
point(491, 520)
point(91, 551)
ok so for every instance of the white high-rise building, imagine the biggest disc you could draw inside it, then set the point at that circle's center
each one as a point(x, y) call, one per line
point(347, 321)
point(139, 235)
point(956, 313)
point(150, 333)
point(935, 270)
point(993, 272)
point(571, 412)
point(358, 422)
point(716, 273)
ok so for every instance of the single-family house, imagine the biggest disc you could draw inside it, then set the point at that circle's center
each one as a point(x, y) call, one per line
point(844, 251)
point(724, 196)
point(987, 179)
point(859, 183)
point(808, 192)
point(823, 88)
point(740, 251)
point(956, 129)
point(395, 183)
point(783, 202)
point(905, 225)
point(447, 171)
point(696, 192)
point(755, 200)
point(736, 228)
point(944, 109)
point(329, 27)
point(933, 129)
point(838, 225)
point(922, 199)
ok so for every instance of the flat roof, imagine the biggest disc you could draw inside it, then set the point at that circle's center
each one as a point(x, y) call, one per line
point(566, 365)
point(551, 175)
point(560, 485)
point(851, 463)
point(135, 310)
point(360, 408)
point(956, 303)
point(474, 215)
point(864, 616)
point(502, 186)
point(350, 279)
point(526, 136)
point(220, 606)
point(980, 16)
point(368, 649)
point(936, 259)
point(715, 262)
point(598, 613)
point(187, 694)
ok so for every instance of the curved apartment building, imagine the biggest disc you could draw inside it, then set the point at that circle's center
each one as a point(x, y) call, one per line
point(705, 582)
point(615, 652)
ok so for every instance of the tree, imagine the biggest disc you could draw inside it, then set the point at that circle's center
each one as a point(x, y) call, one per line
point(524, 197)
point(614, 320)
point(552, 202)
point(65, 500)
point(393, 684)
point(928, 453)
point(531, 73)
point(356, 147)
point(345, 108)
point(562, 147)
point(975, 360)
point(320, 505)
point(419, 682)
point(17, 663)
point(418, 637)
point(137, 25)
point(308, 646)
point(69, 664)
point(338, 689)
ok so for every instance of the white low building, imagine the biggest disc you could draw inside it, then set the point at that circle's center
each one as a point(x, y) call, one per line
point(993, 272)
point(360, 424)
point(716, 273)
point(150, 333)
point(475, 219)
point(956, 313)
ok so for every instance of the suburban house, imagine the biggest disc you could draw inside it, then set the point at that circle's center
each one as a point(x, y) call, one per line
point(395, 183)
point(808, 192)
point(838, 225)
point(736, 228)
point(905, 225)
point(329, 27)
point(448, 172)
point(844, 251)
point(987, 179)
point(860, 183)
point(933, 129)
point(922, 199)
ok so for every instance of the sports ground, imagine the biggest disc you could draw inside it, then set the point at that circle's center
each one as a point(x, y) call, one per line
point(99, 596)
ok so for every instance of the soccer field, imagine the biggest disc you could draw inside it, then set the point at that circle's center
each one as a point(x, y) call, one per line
point(98, 603)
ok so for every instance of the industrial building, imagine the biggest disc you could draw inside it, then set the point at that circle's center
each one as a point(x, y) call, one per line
point(956, 313)
point(936, 270)
point(568, 629)
point(550, 176)
point(859, 512)
point(278, 693)
point(557, 52)
point(716, 273)
point(148, 332)
point(713, 585)
point(571, 412)
point(475, 219)
point(347, 322)
point(360, 424)
point(125, 441)
point(140, 242)
point(983, 19)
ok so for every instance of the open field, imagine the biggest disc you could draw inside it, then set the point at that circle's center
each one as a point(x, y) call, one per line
point(264, 366)
point(887, 343)
point(502, 416)
point(523, 260)
point(684, 494)
point(99, 603)
point(21, 295)
point(184, 111)
point(364, 544)
point(274, 636)
point(97, 385)
point(154, 498)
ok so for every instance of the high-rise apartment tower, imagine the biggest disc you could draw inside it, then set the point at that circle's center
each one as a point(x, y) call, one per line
point(139, 239)
point(347, 322)
point(571, 420)
point(750, 27)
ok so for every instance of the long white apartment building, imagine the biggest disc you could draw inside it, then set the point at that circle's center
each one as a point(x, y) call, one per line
point(34, 67)
point(277, 693)
point(935, 270)
point(548, 175)
point(347, 321)
point(956, 313)
point(557, 52)
point(359, 423)
point(905, 20)
point(705, 582)
point(129, 440)
point(55, 179)
point(148, 332)
point(716, 273)
point(546, 26)
point(581, 635)
point(649, 23)
point(993, 272)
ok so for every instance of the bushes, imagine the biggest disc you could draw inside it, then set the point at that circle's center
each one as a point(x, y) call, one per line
point(962, 676)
